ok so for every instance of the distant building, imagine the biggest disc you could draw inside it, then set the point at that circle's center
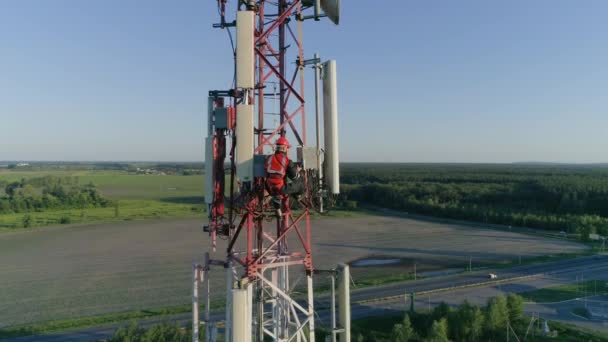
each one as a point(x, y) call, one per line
point(594, 237)
point(150, 172)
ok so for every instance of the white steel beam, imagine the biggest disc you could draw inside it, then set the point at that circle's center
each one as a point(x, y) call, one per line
point(195, 320)
point(344, 301)
point(241, 310)
point(229, 281)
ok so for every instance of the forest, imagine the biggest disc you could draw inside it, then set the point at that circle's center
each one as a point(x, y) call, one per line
point(467, 322)
point(49, 192)
point(555, 197)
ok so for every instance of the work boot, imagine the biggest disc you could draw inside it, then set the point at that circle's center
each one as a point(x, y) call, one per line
point(276, 202)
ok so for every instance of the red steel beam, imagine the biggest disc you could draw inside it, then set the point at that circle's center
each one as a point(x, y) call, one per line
point(278, 129)
point(280, 20)
point(283, 234)
point(278, 74)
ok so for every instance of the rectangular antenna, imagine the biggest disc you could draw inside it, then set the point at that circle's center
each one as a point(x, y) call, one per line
point(244, 49)
point(330, 123)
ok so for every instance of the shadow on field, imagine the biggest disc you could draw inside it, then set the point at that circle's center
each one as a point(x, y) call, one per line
point(516, 288)
point(16, 332)
point(184, 200)
point(362, 310)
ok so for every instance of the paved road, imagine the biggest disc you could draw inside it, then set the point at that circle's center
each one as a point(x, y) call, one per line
point(596, 269)
point(430, 284)
point(364, 304)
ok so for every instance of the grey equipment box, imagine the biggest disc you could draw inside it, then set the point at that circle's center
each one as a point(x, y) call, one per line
point(259, 165)
point(221, 118)
point(307, 155)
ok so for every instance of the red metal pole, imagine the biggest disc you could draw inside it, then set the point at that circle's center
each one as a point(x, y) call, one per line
point(281, 75)
point(261, 80)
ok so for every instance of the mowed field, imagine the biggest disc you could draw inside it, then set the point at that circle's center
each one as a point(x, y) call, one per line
point(122, 185)
point(170, 188)
point(75, 271)
point(136, 196)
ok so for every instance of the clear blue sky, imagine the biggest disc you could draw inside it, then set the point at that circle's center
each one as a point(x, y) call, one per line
point(420, 81)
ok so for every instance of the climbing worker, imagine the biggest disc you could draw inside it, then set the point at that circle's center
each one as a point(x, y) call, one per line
point(278, 169)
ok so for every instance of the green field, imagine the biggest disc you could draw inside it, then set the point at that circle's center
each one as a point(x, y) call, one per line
point(169, 188)
point(136, 197)
point(567, 292)
point(122, 185)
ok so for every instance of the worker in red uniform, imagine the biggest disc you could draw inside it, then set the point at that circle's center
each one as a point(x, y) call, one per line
point(278, 169)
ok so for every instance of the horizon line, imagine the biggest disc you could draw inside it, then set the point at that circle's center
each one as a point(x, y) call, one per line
point(352, 162)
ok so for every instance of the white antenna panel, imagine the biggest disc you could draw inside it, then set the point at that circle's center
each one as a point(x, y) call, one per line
point(209, 170)
point(244, 49)
point(244, 142)
point(330, 126)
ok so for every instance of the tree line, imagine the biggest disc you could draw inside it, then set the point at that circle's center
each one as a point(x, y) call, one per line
point(49, 192)
point(567, 198)
point(467, 322)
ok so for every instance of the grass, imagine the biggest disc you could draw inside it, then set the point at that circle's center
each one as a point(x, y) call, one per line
point(378, 324)
point(138, 197)
point(127, 210)
point(540, 259)
point(13, 176)
point(583, 312)
point(120, 185)
point(566, 292)
point(84, 322)
point(385, 279)
point(341, 213)
point(98, 320)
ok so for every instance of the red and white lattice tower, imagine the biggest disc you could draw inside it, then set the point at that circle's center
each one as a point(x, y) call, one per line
point(264, 252)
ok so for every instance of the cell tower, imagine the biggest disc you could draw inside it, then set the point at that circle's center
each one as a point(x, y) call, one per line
point(267, 248)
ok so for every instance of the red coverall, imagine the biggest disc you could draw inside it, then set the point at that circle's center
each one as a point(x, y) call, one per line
point(278, 166)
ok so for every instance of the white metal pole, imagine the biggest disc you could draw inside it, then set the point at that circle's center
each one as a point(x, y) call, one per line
point(274, 276)
point(344, 302)
point(282, 305)
point(241, 327)
point(195, 321)
point(318, 123)
point(207, 294)
point(333, 307)
point(229, 281)
point(249, 313)
point(311, 310)
point(288, 317)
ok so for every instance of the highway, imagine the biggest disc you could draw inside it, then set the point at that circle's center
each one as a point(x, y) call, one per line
point(463, 279)
point(388, 299)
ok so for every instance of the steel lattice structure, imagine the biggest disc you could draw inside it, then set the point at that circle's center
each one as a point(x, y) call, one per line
point(259, 258)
